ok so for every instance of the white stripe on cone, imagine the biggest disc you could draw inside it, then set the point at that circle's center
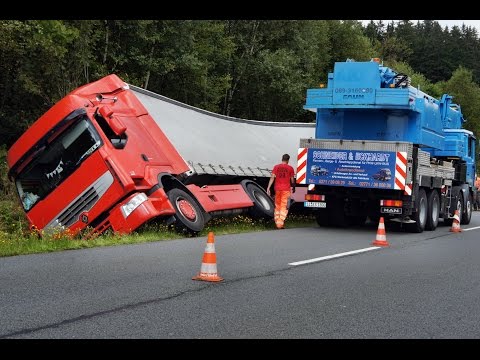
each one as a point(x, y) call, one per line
point(210, 248)
point(455, 217)
point(208, 269)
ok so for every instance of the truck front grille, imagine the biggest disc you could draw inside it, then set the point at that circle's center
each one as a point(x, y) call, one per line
point(84, 202)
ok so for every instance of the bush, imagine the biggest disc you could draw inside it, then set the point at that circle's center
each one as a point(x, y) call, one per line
point(12, 217)
point(6, 185)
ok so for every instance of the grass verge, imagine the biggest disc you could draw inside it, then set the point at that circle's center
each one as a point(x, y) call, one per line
point(18, 242)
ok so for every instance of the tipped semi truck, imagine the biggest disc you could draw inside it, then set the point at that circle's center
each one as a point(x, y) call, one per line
point(110, 156)
point(387, 149)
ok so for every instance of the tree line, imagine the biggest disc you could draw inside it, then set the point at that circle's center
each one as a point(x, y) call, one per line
point(253, 69)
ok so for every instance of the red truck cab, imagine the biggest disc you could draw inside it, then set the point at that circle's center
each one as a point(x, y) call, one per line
point(98, 159)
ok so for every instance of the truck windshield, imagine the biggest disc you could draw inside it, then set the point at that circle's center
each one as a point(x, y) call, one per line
point(57, 161)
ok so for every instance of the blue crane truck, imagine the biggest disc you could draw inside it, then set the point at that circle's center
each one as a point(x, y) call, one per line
point(384, 148)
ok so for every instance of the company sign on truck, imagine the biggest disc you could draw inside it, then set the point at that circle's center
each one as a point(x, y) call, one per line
point(366, 169)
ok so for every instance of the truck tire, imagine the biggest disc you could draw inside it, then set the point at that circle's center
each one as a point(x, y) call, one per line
point(263, 205)
point(188, 214)
point(459, 206)
point(467, 210)
point(433, 212)
point(420, 216)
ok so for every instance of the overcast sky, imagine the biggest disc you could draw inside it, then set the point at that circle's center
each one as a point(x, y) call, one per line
point(449, 23)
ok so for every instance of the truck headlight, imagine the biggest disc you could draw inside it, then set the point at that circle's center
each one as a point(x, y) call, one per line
point(133, 203)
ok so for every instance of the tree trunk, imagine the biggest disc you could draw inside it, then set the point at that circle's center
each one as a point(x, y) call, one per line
point(147, 78)
point(247, 53)
point(106, 43)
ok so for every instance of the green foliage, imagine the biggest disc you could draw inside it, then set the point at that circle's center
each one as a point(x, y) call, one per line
point(348, 41)
point(275, 62)
point(417, 80)
point(466, 93)
point(5, 184)
point(12, 217)
point(256, 69)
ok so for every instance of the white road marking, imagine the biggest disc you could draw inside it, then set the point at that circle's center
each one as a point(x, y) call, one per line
point(334, 256)
point(476, 227)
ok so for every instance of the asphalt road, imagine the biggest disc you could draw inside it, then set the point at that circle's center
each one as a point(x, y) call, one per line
point(421, 286)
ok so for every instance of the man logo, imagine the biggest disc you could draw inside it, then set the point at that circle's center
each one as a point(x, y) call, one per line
point(391, 210)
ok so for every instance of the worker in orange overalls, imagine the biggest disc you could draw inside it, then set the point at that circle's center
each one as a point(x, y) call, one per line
point(284, 177)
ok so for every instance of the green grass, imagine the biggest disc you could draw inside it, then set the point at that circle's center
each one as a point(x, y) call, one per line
point(18, 241)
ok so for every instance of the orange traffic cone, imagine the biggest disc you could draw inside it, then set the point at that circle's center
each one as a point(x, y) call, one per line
point(208, 270)
point(456, 222)
point(381, 239)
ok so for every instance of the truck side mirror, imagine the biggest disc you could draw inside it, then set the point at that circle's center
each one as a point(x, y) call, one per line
point(114, 122)
point(117, 125)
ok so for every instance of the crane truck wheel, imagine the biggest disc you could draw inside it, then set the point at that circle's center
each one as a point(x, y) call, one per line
point(420, 216)
point(263, 206)
point(467, 209)
point(188, 214)
point(459, 206)
point(433, 210)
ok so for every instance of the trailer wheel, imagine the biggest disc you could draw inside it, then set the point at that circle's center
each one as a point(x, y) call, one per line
point(420, 216)
point(188, 214)
point(467, 210)
point(433, 212)
point(263, 206)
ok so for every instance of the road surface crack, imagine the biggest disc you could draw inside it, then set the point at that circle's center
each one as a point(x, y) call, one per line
point(126, 307)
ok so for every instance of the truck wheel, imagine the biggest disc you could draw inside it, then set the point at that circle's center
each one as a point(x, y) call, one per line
point(459, 206)
point(467, 210)
point(188, 214)
point(433, 212)
point(420, 216)
point(263, 206)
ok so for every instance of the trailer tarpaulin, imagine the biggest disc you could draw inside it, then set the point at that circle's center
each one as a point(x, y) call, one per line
point(216, 144)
